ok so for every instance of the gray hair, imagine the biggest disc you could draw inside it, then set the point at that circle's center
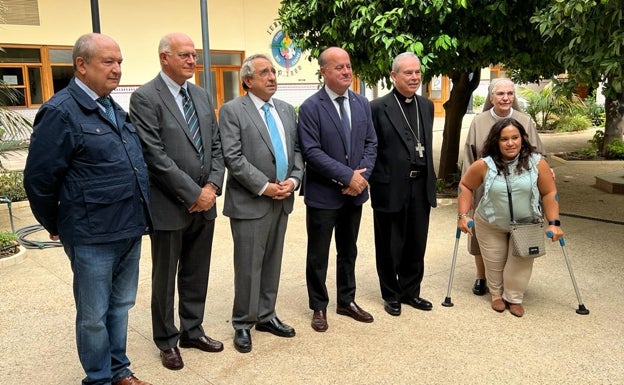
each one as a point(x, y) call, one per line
point(165, 44)
point(397, 58)
point(494, 84)
point(83, 48)
point(247, 68)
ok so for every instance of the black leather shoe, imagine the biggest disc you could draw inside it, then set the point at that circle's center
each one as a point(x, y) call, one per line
point(479, 287)
point(204, 343)
point(392, 307)
point(418, 303)
point(242, 340)
point(276, 327)
point(171, 358)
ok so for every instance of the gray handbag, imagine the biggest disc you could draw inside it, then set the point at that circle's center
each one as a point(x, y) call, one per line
point(528, 239)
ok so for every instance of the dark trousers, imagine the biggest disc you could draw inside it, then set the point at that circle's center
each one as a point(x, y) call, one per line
point(184, 253)
point(400, 243)
point(320, 224)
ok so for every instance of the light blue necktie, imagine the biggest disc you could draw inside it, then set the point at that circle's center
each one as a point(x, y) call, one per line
point(281, 164)
point(346, 125)
point(193, 123)
point(108, 106)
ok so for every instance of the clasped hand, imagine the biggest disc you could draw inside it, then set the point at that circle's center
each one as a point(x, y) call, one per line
point(281, 190)
point(357, 184)
point(207, 198)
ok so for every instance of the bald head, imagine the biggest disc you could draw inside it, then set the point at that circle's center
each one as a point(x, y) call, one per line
point(177, 55)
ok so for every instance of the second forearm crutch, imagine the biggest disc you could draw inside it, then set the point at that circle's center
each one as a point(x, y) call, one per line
point(447, 301)
point(581, 308)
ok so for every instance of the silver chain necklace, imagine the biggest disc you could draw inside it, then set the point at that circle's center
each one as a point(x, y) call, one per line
point(419, 147)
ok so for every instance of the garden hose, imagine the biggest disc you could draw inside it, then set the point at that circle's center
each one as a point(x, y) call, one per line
point(26, 231)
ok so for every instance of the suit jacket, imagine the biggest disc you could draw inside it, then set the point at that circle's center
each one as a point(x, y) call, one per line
point(390, 179)
point(250, 158)
point(329, 168)
point(177, 174)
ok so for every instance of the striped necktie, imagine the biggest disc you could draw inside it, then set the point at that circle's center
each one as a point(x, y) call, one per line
point(281, 163)
point(346, 125)
point(108, 106)
point(190, 116)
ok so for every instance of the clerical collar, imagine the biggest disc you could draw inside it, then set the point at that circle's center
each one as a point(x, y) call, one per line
point(402, 98)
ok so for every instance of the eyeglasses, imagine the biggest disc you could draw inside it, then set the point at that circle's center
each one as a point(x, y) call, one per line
point(185, 55)
point(266, 71)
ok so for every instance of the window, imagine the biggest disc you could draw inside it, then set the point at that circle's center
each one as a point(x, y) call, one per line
point(224, 75)
point(34, 73)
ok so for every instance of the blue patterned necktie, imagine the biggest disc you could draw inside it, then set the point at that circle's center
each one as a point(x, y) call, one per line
point(190, 116)
point(281, 164)
point(346, 125)
point(108, 106)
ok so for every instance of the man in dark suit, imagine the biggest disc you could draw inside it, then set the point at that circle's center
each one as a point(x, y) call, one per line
point(338, 143)
point(259, 136)
point(402, 186)
point(178, 129)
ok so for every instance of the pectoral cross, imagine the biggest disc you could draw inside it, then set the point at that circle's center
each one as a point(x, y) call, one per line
point(420, 149)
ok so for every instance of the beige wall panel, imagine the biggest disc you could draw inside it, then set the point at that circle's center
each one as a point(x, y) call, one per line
point(138, 25)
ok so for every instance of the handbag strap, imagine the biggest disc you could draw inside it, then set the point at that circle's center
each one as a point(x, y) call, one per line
point(513, 221)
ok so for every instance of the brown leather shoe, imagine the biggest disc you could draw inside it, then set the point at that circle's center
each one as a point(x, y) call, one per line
point(204, 343)
point(171, 358)
point(498, 304)
point(319, 320)
point(132, 380)
point(354, 311)
point(516, 309)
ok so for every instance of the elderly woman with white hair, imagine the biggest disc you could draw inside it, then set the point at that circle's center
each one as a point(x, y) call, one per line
point(501, 103)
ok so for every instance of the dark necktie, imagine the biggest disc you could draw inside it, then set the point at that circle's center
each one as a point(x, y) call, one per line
point(281, 163)
point(193, 123)
point(108, 106)
point(346, 125)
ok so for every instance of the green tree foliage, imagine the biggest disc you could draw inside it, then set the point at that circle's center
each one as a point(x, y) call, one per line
point(593, 37)
point(455, 38)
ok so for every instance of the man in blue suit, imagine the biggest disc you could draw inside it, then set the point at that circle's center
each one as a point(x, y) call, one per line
point(338, 143)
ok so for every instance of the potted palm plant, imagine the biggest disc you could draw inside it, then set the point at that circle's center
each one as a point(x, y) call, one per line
point(15, 130)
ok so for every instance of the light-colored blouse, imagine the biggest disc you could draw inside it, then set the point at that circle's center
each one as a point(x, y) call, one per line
point(494, 205)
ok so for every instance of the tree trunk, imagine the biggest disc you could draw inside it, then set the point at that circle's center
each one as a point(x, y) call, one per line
point(614, 122)
point(464, 83)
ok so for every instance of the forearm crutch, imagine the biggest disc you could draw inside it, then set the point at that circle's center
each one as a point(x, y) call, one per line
point(447, 301)
point(581, 308)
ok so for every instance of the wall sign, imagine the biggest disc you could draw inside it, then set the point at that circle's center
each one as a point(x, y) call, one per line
point(284, 51)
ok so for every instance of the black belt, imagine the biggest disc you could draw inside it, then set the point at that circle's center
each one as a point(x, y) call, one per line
point(416, 172)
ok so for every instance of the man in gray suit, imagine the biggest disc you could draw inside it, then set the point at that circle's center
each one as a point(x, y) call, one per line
point(181, 146)
point(259, 136)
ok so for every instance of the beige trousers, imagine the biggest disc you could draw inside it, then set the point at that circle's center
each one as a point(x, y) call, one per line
point(507, 276)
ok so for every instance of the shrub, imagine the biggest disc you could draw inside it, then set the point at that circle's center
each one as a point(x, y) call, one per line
point(595, 112)
point(615, 149)
point(478, 101)
point(550, 103)
point(569, 123)
point(12, 185)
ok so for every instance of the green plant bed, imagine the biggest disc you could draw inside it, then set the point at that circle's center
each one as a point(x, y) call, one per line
point(8, 244)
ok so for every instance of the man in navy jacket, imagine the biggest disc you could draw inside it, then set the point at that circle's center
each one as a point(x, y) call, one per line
point(87, 185)
point(338, 143)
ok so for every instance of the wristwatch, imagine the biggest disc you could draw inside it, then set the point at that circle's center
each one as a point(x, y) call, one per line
point(556, 222)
